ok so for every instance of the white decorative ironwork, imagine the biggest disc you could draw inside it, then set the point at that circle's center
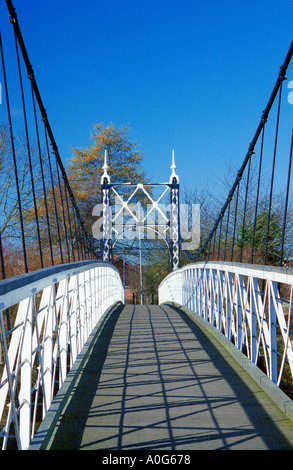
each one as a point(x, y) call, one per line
point(107, 216)
point(114, 226)
point(250, 304)
point(173, 168)
point(54, 312)
point(174, 218)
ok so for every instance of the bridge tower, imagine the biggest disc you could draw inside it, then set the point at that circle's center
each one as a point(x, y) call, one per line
point(174, 217)
point(171, 234)
point(107, 215)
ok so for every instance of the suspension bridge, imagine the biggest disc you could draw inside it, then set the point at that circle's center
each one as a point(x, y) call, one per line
point(208, 367)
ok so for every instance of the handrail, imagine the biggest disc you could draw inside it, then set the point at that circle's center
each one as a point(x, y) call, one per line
point(42, 277)
point(280, 274)
point(249, 304)
point(45, 319)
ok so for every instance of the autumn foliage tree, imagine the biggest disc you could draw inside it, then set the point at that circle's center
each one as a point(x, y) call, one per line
point(55, 211)
point(85, 167)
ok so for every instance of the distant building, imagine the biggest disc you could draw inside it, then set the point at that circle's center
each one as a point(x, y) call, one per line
point(130, 278)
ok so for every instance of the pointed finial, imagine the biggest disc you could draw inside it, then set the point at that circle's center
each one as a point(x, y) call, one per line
point(105, 168)
point(173, 168)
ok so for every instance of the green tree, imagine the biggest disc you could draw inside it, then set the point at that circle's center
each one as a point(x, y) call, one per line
point(260, 237)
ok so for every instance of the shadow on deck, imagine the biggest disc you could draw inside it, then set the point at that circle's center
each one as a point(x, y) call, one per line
point(153, 379)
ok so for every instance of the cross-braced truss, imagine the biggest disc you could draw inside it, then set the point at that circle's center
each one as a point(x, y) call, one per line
point(250, 304)
point(131, 210)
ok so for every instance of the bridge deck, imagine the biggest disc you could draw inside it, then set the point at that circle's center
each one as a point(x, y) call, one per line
point(156, 381)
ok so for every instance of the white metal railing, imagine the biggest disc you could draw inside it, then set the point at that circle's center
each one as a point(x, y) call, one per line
point(250, 304)
point(52, 312)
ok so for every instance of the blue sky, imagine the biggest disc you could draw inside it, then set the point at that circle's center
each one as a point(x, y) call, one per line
point(188, 75)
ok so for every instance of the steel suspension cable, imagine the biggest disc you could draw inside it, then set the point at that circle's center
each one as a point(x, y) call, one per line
point(29, 153)
point(76, 234)
point(69, 222)
point(219, 242)
point(14, 158)
point(54, 196)
point(235, 221)
point(273, 171)
point(244, 210)
point(43, 177)
point(227, 228)
point(63, 213)
point(265, 114)
point(258, 189)
point(31, 76)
